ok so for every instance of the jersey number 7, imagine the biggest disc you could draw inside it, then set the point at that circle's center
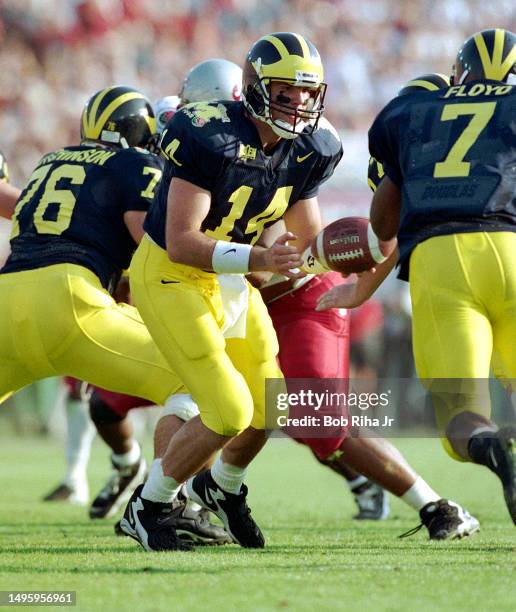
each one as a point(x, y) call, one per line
point(454, 164)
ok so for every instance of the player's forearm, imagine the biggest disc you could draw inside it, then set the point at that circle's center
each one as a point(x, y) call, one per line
point(191, 248)
point(8, 198)
point(370, 281)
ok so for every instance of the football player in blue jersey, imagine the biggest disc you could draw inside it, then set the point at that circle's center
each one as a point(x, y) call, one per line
point(449, 195)
point(232, 169)
point(74, 229)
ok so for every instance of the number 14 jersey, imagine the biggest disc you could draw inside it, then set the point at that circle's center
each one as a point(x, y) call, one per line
point(216, 147)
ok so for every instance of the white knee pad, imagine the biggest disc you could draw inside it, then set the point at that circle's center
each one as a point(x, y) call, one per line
point(181, 406)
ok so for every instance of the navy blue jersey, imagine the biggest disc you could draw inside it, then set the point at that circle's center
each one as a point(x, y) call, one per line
point(72, 209)
point(216, 147)
point(4, 170)
point(452, 152)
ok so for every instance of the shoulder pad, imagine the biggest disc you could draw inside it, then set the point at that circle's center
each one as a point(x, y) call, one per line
point(325, 140)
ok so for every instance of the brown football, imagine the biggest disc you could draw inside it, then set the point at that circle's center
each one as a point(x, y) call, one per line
point(349, 245)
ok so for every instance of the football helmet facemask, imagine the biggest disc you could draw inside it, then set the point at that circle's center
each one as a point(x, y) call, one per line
point(213, 79)
point(118, 117)
point(489, 54)
point(288, 58)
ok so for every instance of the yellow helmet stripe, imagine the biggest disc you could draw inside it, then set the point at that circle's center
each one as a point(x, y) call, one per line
point(90, 117)
point(99, 124)
point(422, 83)
point(495, 68)
point(304, 46)
point(280, 47)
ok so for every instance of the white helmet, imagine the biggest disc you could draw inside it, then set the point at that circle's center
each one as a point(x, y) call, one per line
point(164, 109)
point(213, 79)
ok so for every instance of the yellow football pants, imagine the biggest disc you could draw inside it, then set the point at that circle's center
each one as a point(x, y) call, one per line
point(463, 291)
point(183, 310)
point(58, 320)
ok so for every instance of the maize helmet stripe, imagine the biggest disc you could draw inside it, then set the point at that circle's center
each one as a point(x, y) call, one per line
point(117, 102)
point(279, 46)
point(90, 116)
point(424, 84)
point(494, 65)
point(304, 46)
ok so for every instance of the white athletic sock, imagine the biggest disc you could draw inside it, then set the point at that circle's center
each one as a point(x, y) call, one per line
point(357, 482)
point(130, 458)
point(229, 477)
point(80, 432)
point(419, 494)
point(158, 487)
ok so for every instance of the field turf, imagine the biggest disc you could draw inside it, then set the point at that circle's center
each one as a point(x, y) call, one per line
point(316, 558)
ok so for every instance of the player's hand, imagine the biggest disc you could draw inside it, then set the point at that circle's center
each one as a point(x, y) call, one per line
point(284, 259)
point(347, 295)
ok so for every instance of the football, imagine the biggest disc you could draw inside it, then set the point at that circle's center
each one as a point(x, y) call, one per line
point(347, 245)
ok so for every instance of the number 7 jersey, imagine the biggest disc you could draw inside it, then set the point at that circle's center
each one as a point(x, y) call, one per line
point(452, 152)
point(216, 147)
point(72, 209)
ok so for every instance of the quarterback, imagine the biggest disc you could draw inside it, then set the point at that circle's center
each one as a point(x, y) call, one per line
point(232, 169)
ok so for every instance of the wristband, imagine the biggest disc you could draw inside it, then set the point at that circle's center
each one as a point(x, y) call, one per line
point(231, 257)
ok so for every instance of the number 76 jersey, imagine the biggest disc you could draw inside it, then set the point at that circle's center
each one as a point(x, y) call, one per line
point(452, 152)
point(72, 209)
point(216, 147)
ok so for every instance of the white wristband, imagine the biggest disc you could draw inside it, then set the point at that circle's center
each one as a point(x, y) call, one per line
point(231, 257)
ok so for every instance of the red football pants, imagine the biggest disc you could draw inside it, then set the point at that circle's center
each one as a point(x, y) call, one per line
point(313, 344)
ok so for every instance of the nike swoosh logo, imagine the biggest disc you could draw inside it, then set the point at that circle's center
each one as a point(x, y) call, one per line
point(229, 251)
point(302, 158)
point(167, 282)
point(209, 501)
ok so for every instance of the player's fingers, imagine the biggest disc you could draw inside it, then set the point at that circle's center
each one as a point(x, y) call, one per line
point(284, 238)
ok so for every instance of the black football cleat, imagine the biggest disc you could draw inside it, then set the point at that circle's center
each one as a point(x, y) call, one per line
point(372, 502)
point(445, 520)
point(192, 526)
point(231, 509)
point(117, 490)
point(150, 524)
point(502, 456)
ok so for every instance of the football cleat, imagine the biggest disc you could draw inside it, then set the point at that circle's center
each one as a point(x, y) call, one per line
point(502, 460)
point(118, 489)
point(445, 520)
point(151, 524)
point(372, 501)
point(192, 526)
point(65, 493)
point(231, 509)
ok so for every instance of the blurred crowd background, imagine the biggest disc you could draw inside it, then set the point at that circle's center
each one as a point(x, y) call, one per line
point(56, 53)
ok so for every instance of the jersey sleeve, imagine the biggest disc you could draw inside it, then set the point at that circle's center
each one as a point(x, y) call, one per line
point(382, 142)
point(141, 175)
point(328, 142)
point(190, 151)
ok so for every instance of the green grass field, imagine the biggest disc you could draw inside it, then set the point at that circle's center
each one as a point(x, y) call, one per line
point(316, 556)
